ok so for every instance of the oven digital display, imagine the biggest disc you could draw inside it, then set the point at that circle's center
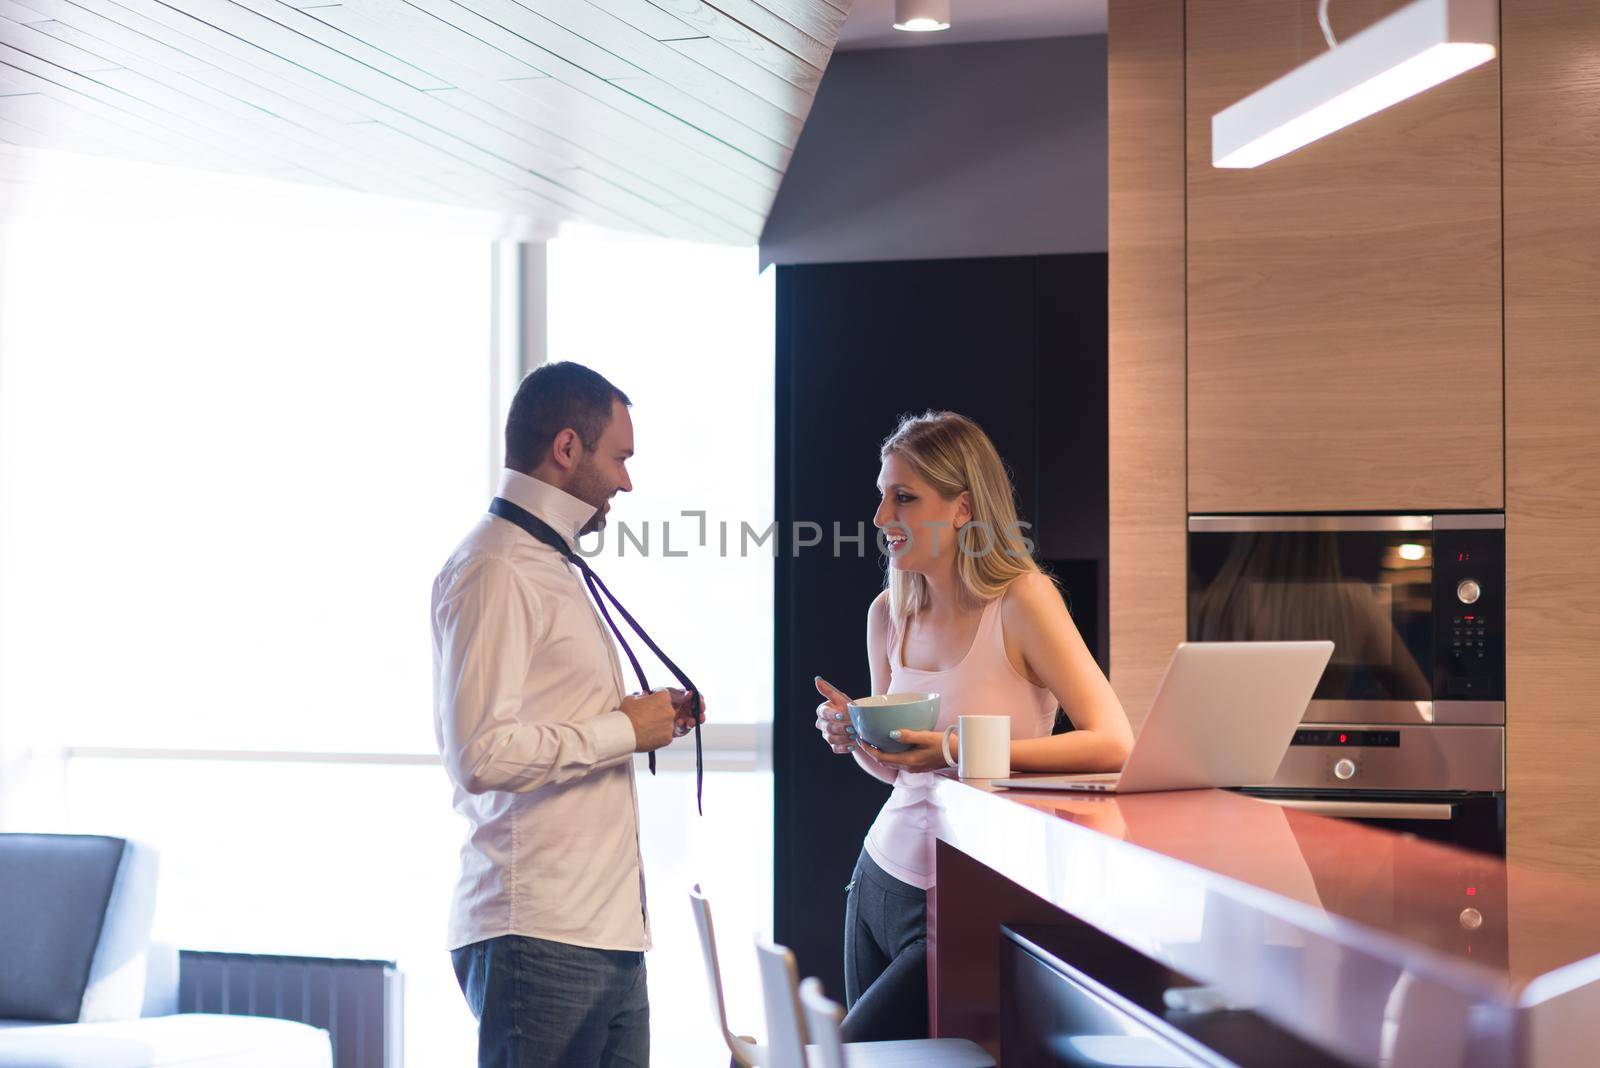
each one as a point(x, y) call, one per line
point(1349, 739)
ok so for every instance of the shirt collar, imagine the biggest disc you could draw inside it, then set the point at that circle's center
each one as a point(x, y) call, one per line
point(565, 513)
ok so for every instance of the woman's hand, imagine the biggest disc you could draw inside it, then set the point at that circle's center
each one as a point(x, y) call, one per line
point(833, 717)
point(926, 752)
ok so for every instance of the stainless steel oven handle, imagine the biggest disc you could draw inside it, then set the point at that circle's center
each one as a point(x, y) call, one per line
point(1277, 524)
point(1370, 810)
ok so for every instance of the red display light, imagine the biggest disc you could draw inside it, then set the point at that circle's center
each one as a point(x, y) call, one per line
point(1343, 738)
point(1472, 891)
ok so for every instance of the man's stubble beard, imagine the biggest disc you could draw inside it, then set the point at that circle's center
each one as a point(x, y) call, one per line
point(591, 490)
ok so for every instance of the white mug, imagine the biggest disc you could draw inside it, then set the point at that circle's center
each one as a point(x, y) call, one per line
point(985, 746)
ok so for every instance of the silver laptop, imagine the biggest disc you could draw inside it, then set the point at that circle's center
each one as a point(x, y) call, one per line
point(1223, 716)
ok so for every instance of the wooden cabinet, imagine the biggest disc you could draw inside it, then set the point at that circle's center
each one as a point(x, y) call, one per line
point(1552, 294)
point(1145, 369)
point(1344, 333)
point(1329, 329)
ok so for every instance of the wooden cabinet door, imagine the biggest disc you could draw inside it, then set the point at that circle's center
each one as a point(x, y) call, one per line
point(1344, 334)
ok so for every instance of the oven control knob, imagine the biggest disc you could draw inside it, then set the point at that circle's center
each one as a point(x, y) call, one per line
point(1344, 768)
point(1468, 591)
point(1471, 919)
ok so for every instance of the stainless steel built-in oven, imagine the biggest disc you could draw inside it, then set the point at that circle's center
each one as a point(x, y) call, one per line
point(1407, 726)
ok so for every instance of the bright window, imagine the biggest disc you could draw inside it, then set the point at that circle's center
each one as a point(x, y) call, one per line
point(241, 427)
point(239, 433)
point(687, 332)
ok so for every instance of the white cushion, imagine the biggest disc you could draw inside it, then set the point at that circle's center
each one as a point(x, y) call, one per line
point(116, 989)
point(194, 1040)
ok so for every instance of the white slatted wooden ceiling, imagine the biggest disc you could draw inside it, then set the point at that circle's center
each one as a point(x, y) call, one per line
point(669, 117)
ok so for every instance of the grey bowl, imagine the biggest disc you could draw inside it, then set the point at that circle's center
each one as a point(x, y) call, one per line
point(874, 717)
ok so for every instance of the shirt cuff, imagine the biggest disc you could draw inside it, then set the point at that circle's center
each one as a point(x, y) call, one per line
point(613, 735)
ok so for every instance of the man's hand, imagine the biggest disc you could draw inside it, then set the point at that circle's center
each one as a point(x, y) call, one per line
point(684, 717)
point(653, 717)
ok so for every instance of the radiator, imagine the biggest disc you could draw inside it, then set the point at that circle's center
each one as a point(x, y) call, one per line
point(358, 1002)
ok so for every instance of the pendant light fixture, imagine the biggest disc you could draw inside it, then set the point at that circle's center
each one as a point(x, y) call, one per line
point(921, 16)
point(1424, 43)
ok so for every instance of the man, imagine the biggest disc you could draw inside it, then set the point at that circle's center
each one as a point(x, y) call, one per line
point(548, 926)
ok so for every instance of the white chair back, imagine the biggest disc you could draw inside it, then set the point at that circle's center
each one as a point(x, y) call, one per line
point(823, 1017)
point(745, 1052)
point(780, 983)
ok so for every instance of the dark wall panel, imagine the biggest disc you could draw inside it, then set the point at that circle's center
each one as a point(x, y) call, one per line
point(1071, 491)
point(858, 346)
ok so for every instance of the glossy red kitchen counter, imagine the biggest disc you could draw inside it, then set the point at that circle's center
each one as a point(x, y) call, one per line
point(1378, 947)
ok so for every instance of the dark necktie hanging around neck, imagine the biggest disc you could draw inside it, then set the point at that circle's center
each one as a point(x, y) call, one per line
point(541, 530)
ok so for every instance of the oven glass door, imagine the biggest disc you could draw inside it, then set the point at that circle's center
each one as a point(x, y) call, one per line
point(1369, 591)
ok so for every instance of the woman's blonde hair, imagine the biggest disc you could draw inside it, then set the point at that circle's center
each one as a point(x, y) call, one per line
point(953, 455)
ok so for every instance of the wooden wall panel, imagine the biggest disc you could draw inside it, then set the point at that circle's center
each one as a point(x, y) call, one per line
point(1145, 375)
point(1552, 295)
point(1344, 336)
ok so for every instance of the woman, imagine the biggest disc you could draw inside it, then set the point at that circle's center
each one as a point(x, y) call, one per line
point(967, 614)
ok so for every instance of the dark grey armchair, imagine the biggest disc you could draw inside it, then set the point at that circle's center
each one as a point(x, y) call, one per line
point(81, 986)
point(75, 915)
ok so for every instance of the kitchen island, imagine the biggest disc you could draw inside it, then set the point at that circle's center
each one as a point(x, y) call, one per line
point(1368, 947)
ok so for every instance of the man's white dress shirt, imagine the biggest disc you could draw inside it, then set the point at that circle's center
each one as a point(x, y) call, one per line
point(527, 715)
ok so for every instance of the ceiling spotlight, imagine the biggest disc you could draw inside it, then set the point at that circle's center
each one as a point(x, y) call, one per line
point(921, 16)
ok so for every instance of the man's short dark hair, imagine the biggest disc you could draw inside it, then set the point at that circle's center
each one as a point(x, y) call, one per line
point(551, 399)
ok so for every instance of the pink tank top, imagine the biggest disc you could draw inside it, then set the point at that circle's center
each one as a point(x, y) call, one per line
point(983, 684)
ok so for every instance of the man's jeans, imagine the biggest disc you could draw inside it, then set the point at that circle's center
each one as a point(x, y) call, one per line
point(541, 1003)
